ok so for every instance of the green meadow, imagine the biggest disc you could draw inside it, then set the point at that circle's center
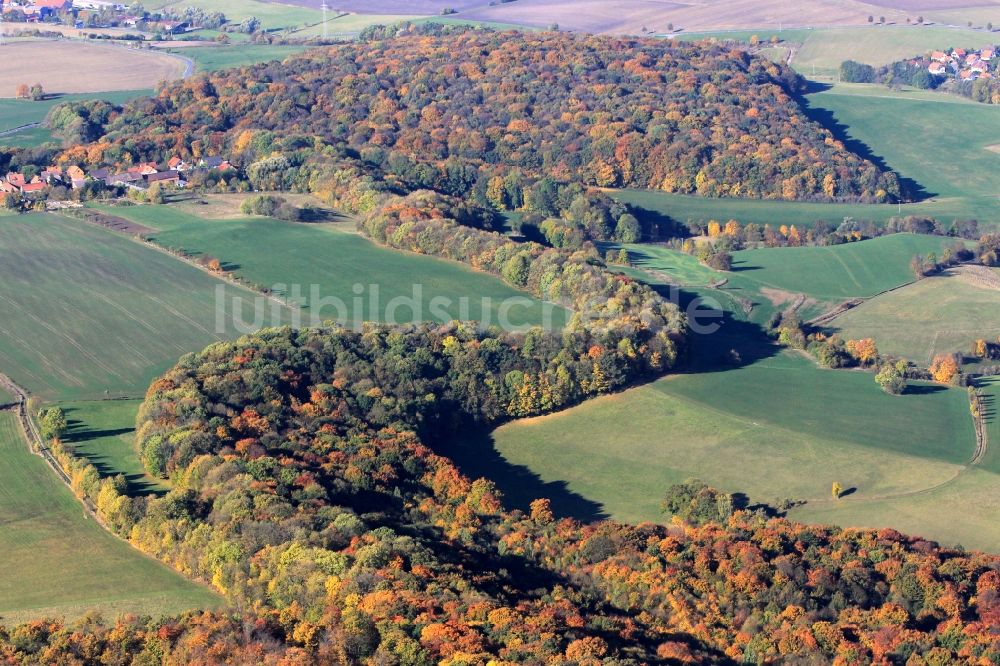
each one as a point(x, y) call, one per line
point(773, 278)
point(822, 51)
point(964, 510)
point(940, 314)
point(339, 262)
point(778, 428)
point(86, 313)
point(212, 58)
point(58, 561)
point(103, 432)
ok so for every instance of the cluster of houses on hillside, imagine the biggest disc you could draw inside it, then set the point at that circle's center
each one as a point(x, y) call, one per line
point(962, 64)
point(113, 14)
point(140, 176)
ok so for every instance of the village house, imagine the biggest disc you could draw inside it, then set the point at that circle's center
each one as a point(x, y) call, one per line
point(177, 164)
point(164, 177)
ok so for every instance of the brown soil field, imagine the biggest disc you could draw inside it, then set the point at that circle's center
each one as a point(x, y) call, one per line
point(74, 67)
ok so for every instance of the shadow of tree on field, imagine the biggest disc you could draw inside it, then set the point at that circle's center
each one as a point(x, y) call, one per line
point(476, 455)
point(78, 433)
point(923, 389)
point(911, 189)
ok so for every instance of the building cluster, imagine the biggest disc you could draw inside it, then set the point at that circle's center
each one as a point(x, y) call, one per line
point(101, 13)
point(139, 176)
point(962, 64)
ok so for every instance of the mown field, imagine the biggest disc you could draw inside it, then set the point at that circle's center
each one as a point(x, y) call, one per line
point(211, 58)
point(779, 428)
point(274, 16)
point(85, 313)
point(940, 314)
point(58, 561)
point(280, 254)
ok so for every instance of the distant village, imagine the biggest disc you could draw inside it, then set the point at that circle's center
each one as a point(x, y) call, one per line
point(138, 177)
point(962, 64)
point(102, 14)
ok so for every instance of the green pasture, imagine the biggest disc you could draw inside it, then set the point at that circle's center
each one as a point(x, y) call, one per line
point(778, 428)
point(19, 112)
point(86, 313)
point(212, 58)
point(940, 314)
point(102, 431)
point(964, 510)
point(340, 263)
point(823, 50)
point(58, 561)
point(772, 278)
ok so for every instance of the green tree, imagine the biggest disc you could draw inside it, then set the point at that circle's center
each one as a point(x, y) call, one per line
point(52, 422)
point(890, 379)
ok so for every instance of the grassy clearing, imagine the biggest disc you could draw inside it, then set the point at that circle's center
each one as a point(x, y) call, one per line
point(775, 429)
point(103, 432)
point(839, 272)
point(771, 277)
point(274, 16)
point(85, 313)
point(58, 561)
point(212, 58)
point(271, 252)
point(939, 314)
point(964, 511)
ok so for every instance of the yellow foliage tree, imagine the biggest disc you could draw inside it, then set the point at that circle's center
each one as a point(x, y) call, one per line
point(944, 368)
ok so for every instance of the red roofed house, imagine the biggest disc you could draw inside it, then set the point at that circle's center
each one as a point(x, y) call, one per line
point(987, 54)
point(938, 69)
point(16, 179)
point(940, 56)
point(32, 187)
point(959, 53)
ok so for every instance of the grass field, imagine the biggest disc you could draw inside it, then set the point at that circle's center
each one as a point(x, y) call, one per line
point(84, 311)
point(274, 16)
point(941, 314)
point(57, 561)
point(211, 58)
point(107, 67)
point(950, 165)
point(779, 428)
point(963, 511)
point(822, 51)
point(19, 112)
point(103, 433)
point(771, 277)
point(270, 252)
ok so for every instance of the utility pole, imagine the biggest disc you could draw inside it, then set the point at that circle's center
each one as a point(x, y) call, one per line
point(326, 30)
